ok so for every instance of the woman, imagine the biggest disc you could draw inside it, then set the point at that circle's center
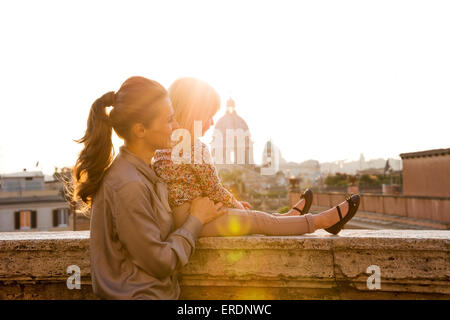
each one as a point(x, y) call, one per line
point(194, 100)
point(135, 250)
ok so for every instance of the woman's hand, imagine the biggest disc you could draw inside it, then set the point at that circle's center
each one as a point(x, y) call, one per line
point(246, 205)
point(205, 210)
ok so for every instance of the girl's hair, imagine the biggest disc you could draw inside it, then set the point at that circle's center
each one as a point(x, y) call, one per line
point(193, 99)
point(131, 104)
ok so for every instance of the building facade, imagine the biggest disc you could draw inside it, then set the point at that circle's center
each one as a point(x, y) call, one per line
point(28, 203)
point(426, 173)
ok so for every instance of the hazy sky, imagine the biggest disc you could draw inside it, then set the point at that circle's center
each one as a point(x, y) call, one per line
point(324, 80)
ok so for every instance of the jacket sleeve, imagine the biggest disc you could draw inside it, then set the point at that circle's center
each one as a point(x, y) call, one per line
point(140, 234)
point(210, 183)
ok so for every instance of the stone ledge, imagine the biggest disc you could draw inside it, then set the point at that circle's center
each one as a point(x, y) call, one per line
point(414, 264)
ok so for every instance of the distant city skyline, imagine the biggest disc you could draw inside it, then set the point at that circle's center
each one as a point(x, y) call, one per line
point(324, 80)
point(347, 165)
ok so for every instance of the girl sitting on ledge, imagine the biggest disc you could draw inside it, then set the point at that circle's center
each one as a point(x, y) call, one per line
point(194, 100)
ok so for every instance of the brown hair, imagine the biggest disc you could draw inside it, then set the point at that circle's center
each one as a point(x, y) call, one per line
point(193, 99)
point(131, 104)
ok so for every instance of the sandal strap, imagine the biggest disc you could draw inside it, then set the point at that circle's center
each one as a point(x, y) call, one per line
point(295, 208)
point(348, 198)
point(339, 211)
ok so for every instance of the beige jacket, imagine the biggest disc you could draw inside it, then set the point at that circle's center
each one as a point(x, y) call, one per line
point(134, 251)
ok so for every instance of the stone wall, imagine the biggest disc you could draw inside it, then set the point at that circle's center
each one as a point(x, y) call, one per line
point(413, 264)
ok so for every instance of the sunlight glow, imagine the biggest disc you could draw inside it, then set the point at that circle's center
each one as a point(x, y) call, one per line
point(234, 227)
point(324, 80)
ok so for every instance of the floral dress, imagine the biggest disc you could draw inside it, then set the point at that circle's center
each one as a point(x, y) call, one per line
point(187, 181)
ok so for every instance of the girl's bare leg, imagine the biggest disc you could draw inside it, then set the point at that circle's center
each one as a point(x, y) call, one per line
point(329, 217)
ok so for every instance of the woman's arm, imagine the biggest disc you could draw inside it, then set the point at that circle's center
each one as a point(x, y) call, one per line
point(139, 233)
point(180, 214)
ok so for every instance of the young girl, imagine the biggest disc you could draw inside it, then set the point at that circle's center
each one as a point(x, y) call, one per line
point(194, 100)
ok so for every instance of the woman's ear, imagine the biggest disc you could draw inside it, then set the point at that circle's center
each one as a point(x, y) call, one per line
point(138, 130)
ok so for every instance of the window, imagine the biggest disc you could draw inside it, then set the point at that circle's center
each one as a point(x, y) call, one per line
point(25, 219)
point(61, 217)
point(11, 185)
point(232, 159)
point(34, 185)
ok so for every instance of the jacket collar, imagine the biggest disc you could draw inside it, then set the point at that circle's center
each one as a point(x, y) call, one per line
point(140, 164)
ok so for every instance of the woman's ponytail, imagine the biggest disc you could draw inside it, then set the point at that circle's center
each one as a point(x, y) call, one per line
point(98, 152)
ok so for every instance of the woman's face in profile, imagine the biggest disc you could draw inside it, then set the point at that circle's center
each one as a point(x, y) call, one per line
point(159, 133)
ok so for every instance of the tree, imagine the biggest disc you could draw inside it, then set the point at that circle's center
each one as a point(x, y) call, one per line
point(337, 180)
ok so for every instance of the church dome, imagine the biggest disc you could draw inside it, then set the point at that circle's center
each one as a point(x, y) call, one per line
point(231, 120)
point(231, 153)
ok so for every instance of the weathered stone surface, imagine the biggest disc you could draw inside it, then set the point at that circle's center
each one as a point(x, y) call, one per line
point(413, 263)
point(409, 261)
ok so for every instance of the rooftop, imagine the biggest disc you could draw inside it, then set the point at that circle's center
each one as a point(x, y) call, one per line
point(426, 153)
point(22, 174)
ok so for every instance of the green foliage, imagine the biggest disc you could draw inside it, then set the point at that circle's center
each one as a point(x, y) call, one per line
point(276, 194)
point(369, 180)
point(230, 176)
point(338, 180)
point(377, 180)
point(283, 209)
point(366, 180)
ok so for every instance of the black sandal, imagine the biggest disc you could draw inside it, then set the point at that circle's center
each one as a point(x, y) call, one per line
point(353, 204)
point(308, 196)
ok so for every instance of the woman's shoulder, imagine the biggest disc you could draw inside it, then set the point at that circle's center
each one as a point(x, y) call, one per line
point(121, 173)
